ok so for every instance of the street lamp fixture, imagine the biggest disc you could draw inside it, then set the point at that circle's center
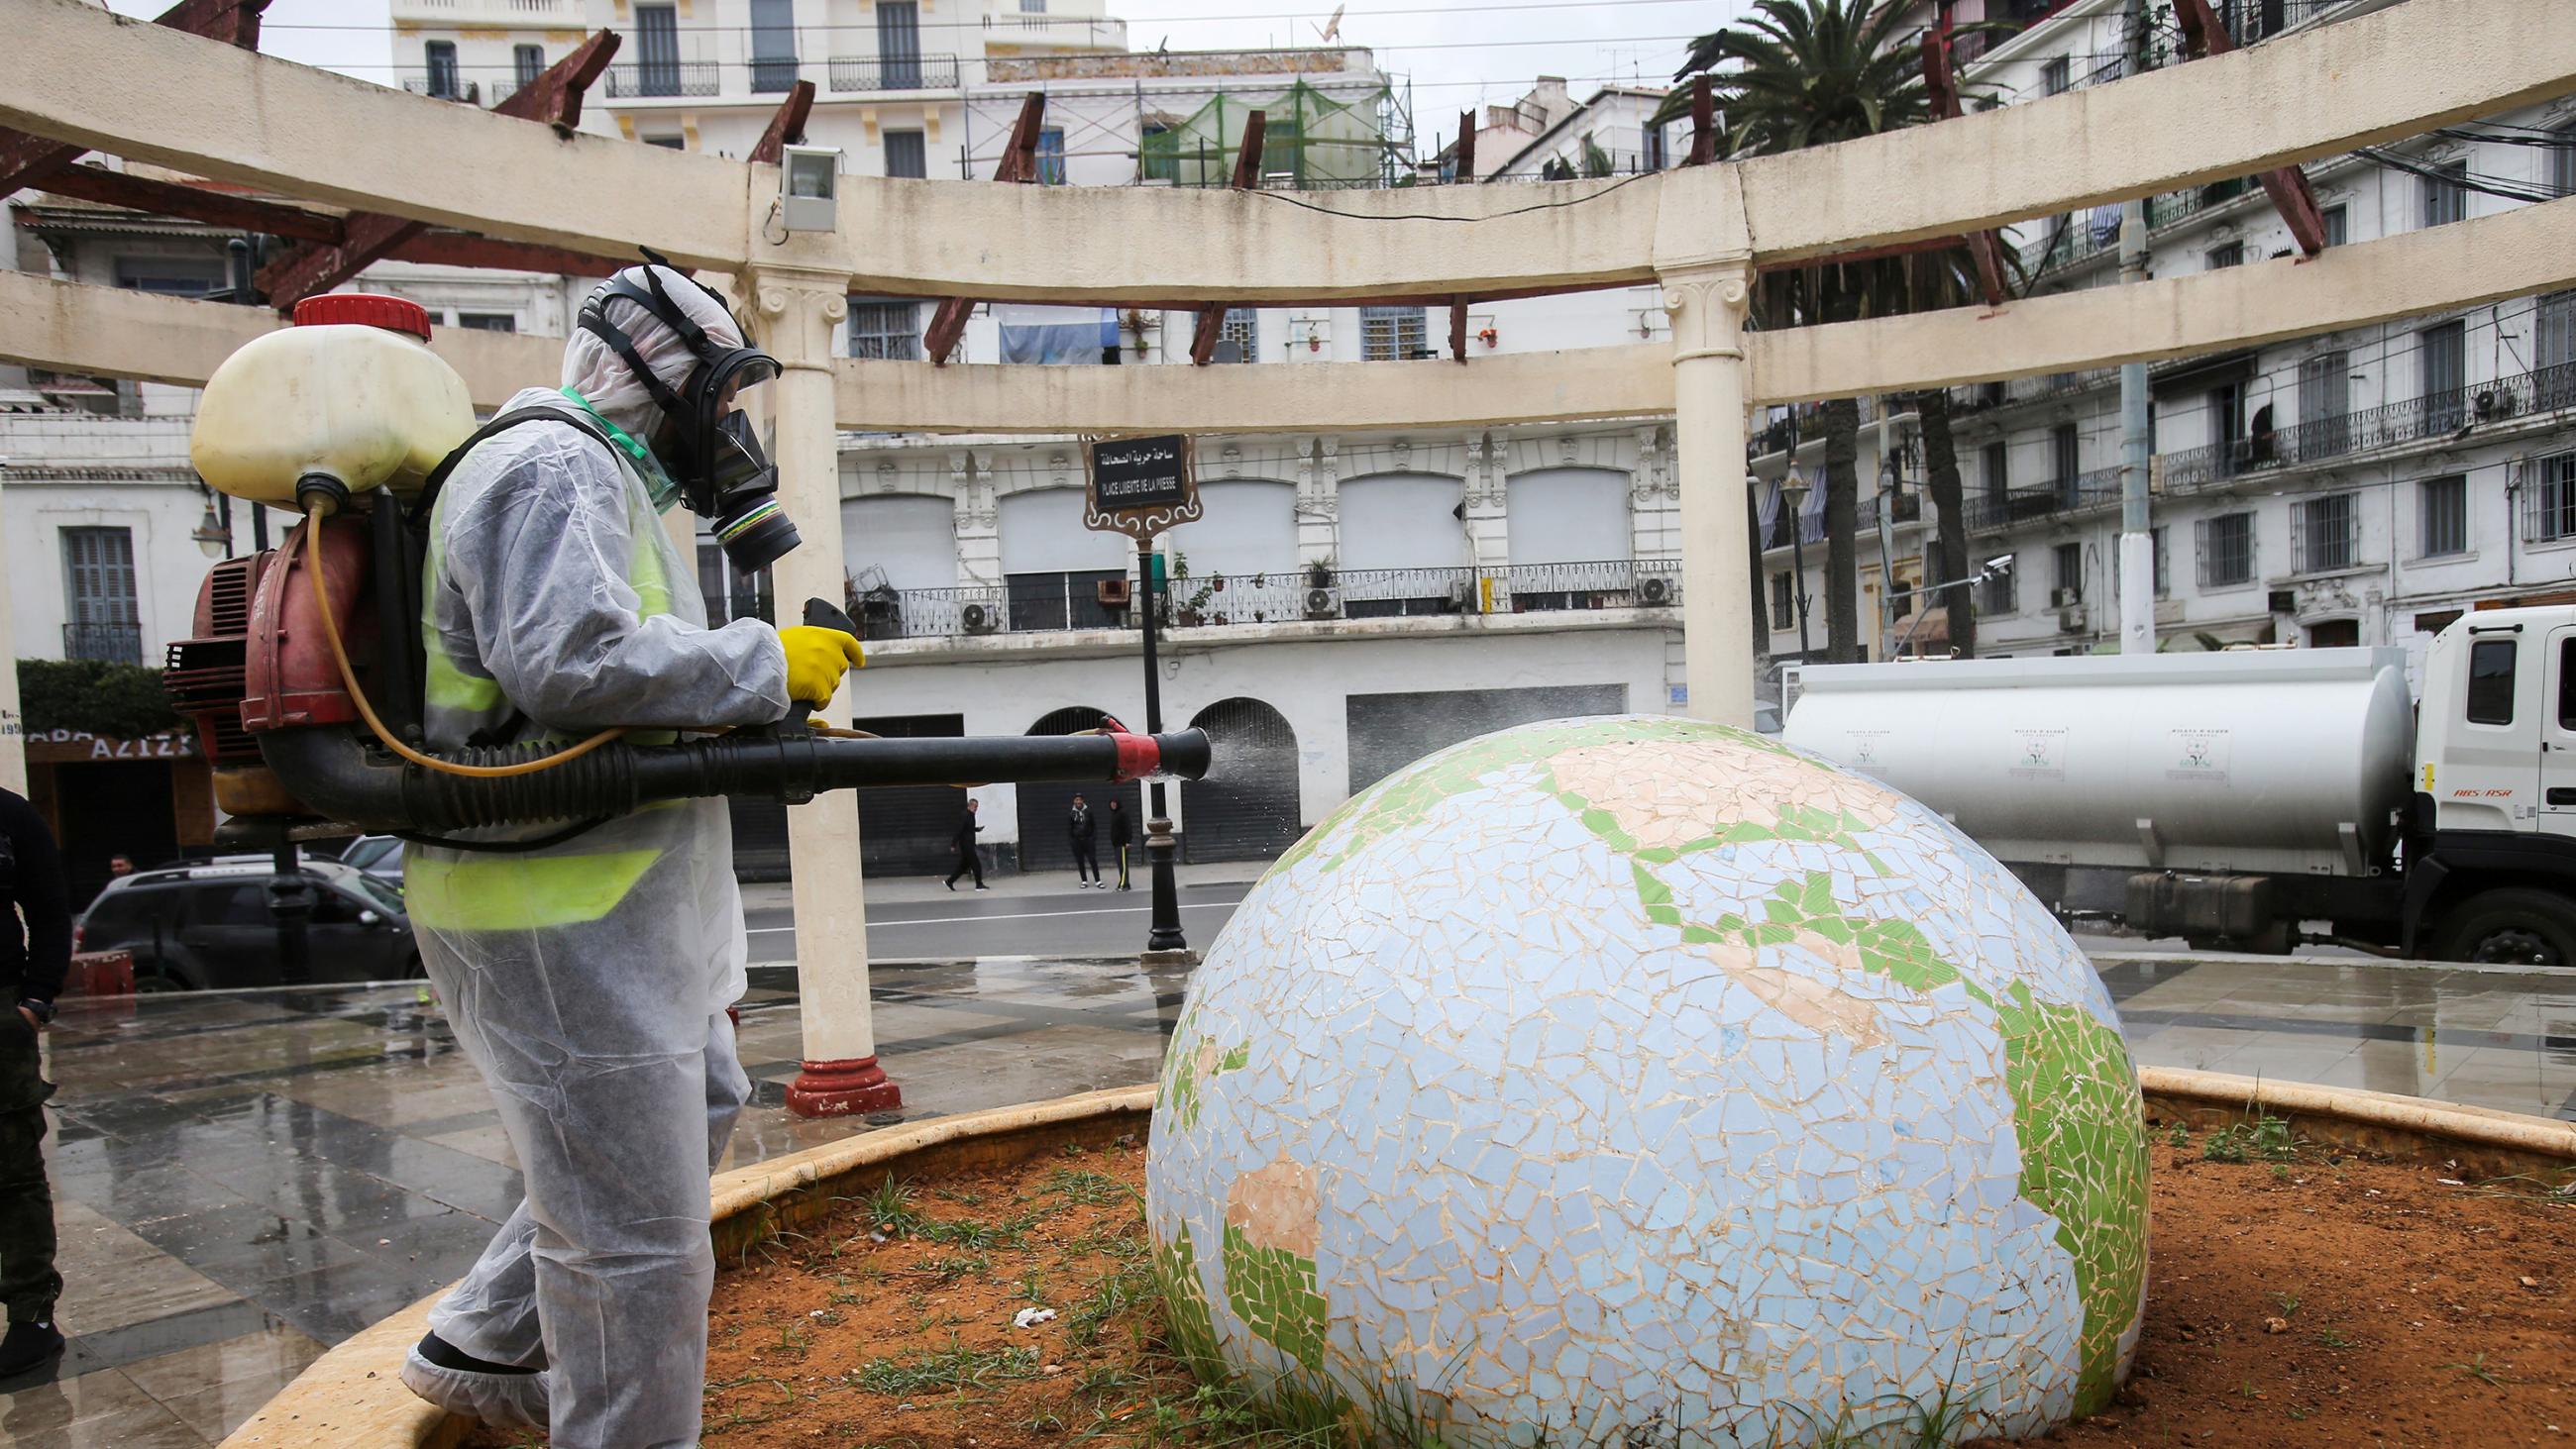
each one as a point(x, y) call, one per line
point(213, 539)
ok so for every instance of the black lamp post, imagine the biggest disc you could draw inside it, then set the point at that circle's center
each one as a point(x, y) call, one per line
point(1159, 844)
point(1793, 496)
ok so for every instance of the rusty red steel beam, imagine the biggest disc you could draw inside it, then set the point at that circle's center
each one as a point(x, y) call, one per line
point(787, 125)
point(1465, 171)
point(191, 202)
point(2205, 34)
point(1018, 164)
point(26, 158)
point(554, 98)
point(1210, 325)
point(1703, 112)
point(1986, 248)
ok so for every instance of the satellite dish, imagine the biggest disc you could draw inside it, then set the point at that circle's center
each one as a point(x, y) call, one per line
point(1333, 27)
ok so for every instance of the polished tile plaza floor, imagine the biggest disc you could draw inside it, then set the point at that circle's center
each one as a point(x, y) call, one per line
point(245, 1179)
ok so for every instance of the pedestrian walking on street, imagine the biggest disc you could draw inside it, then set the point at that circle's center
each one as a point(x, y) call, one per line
point(1122, 834)
point(35, 955)
point(1086, 857)
point(967, 856)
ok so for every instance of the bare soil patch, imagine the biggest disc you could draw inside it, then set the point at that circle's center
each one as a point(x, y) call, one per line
point(2295, 1297)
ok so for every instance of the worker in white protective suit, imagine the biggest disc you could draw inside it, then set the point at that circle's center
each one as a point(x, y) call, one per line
point(587, 967)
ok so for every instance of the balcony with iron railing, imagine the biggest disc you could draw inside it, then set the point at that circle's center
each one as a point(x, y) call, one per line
point(442, 86)
point(1993, 512)
point(893, 73)
point(1646, 583)
point(1059, 604)
point(113, 643)
point(653, 79)
point(2437, 415)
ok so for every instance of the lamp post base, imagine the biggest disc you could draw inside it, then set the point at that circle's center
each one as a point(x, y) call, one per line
point(842, 1089)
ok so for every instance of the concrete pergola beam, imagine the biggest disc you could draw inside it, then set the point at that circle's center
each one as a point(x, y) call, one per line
point(118, 332)
point(246, 118)
point(290, 130)
point(68, 327)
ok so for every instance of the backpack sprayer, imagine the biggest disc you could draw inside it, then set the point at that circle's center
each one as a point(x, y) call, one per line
point(304, 674)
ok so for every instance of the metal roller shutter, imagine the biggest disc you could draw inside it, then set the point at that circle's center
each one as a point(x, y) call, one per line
point(905, 830)
point(1246, 809)
point(1044, 843)
point(1391, 731)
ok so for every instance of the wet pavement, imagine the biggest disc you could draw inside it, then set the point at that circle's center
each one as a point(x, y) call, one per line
point(243, 1179)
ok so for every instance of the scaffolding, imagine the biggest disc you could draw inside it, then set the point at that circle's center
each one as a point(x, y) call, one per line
point(1310, 141)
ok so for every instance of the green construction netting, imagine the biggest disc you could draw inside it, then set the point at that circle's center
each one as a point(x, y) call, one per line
point(1321, 142)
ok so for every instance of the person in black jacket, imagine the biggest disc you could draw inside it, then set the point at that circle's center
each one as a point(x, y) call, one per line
point(967, 857)
point(1122, 834)
point(35, 955)
point(1084, 830)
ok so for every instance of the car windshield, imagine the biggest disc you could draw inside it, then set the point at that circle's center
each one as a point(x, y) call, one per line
point(383, 893)
point(367, 853)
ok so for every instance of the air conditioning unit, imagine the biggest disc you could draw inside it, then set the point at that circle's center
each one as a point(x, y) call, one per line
point(1654, 592)
point(2066, 598)
point(980, 618)
point(1323, 603)
point(2072, 618)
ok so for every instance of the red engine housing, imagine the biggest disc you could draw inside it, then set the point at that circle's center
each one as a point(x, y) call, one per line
point(290, 678)
point(259, 660)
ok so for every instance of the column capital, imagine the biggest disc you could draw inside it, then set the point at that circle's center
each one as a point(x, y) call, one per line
point(797, 309)
point(1707, 302)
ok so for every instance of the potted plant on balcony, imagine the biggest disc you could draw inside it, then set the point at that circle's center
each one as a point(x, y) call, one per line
point(1189, 607)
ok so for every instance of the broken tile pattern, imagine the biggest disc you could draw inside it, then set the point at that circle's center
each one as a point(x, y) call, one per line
point(1646, 1075)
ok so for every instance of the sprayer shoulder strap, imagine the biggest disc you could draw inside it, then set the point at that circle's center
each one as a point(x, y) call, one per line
point(420, 509)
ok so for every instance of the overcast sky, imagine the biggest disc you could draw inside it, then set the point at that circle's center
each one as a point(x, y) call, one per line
point(1457, 53)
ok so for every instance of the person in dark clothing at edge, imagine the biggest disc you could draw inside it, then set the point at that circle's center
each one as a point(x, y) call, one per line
point(967, 856)
point(35, 955)
point(1121, 835)
point(1083, 829)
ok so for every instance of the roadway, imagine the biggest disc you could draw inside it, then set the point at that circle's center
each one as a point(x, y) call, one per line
point(1017, 918)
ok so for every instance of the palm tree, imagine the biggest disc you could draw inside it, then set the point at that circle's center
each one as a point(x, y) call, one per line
point(1800, 73)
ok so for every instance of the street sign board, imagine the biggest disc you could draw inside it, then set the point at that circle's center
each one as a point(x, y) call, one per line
point(1140, 486)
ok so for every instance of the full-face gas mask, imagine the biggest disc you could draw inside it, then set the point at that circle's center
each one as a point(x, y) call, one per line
point(715, 457)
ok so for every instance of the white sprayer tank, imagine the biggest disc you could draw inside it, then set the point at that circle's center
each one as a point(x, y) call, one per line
point(2262, 761)
point(351, 391)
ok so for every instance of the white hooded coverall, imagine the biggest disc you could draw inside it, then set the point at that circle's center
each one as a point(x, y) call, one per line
point(588, 980)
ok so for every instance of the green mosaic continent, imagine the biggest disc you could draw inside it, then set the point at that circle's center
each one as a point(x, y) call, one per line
point(1182, 1078)
point(1188, 1324)
point(1407, 796)
point(1274, 1291)
point(2075, 1106)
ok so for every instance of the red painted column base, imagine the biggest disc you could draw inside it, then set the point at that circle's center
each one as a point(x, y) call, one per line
point(842, 1089)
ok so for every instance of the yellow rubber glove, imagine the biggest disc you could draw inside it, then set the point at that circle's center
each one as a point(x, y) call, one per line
point(816, 660)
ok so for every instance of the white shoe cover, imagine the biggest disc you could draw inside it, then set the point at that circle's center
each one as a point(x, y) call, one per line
point(507, 1401)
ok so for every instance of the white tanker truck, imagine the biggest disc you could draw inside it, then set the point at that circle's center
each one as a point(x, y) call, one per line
point(2237, 798)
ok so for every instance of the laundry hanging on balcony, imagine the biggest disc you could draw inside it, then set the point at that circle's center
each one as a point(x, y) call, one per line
point(1056, 334)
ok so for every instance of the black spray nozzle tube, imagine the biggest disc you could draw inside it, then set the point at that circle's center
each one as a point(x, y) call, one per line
point(335, 774)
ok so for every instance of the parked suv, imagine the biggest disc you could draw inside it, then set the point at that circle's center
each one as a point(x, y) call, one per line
point(380, 856)
point(206, 927)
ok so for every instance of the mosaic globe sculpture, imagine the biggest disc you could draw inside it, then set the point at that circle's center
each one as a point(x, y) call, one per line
point(1637, 1080)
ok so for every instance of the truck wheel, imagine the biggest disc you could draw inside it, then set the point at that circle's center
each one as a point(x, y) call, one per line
point(2514, 925)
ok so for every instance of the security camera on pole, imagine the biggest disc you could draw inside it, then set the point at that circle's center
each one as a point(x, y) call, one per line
point(1139, 487)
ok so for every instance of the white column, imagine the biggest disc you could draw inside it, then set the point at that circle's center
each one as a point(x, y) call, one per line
point(1707, 304)
point(796, 311)
point(13, 725)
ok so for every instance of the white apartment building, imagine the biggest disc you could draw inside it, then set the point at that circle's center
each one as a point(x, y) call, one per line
point(2362, 487)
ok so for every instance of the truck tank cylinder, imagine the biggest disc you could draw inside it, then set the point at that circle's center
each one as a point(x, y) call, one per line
point(2265, 761)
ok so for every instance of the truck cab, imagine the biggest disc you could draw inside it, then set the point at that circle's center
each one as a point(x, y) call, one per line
point(2491, 847)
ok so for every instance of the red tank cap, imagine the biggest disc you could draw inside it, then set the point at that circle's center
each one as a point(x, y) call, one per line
point(364, 309)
